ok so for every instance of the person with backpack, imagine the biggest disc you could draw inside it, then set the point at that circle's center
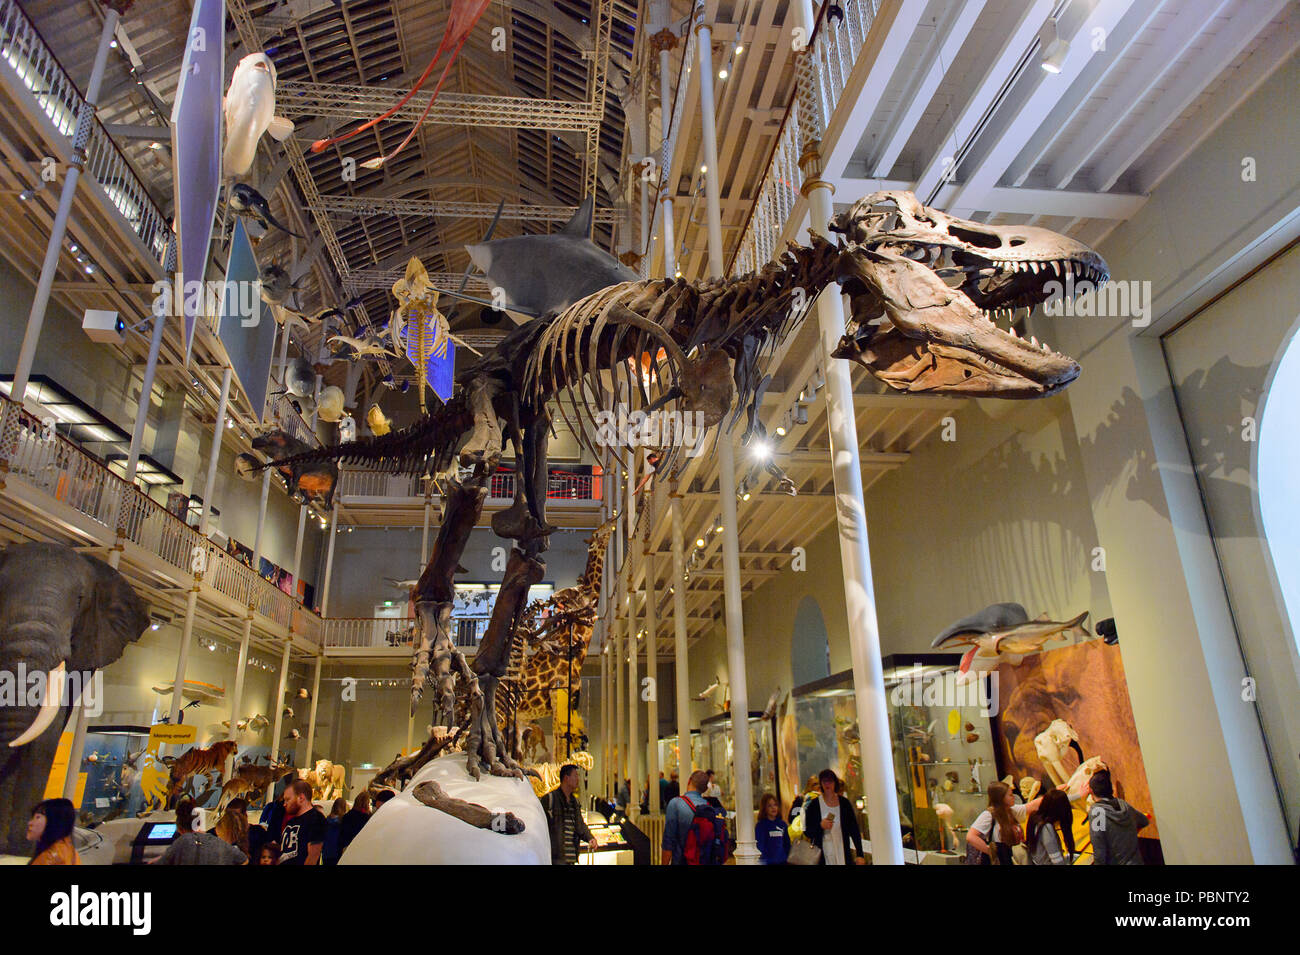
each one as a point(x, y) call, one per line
point(1113, 824)
point(695, 833)
point(831, 825)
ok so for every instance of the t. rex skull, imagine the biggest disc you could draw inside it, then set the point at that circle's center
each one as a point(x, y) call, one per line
point(927, 289)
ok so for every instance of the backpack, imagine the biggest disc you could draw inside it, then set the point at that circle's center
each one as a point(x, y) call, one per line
point(706, 840)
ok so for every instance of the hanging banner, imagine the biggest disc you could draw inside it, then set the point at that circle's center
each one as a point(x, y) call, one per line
point(196, 149)
point(154, 773)
point(246, 327)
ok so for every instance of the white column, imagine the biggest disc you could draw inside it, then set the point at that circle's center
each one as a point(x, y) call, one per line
point(746, 852)
point(279, 704)
point(709, 141)
point(315, 700)
point(652, 671)
point(329, 561)
point(665, 198)
point(191, 599)
point(237, 696)
point(603, 749)
point(634, 751)
point(851, 517)
point(680, 652)
point(50, 266)
point(620, 668)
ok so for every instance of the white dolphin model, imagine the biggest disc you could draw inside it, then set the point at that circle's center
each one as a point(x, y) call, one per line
point(249, 108)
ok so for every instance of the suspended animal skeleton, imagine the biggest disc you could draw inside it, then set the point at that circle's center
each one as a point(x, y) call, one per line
point(702, 343)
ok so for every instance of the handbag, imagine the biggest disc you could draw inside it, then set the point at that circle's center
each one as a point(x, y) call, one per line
point(804, 852)
point(975, 856)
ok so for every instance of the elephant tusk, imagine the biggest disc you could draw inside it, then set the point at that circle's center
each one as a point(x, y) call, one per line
point(49, 707)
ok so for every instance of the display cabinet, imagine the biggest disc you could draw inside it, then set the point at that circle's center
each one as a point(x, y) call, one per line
point(112, 760)
point(941, 741)
point(944, 758)
point(717, 751)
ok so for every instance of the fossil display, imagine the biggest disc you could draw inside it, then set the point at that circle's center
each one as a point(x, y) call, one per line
point(925, 289)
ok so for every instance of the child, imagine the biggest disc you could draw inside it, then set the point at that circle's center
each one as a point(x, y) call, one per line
point(771, 833)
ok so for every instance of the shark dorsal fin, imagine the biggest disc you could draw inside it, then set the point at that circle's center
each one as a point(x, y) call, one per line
point(580, 225)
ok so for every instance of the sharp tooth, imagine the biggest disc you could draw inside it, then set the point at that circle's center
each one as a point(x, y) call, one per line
point(1034, 340)
point(1014, 333)
point(1056, 269)
point(1045, 348)
point(1034, 267)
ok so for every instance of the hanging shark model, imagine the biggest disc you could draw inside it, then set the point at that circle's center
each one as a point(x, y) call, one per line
point(1003, 633)
point(541, 275)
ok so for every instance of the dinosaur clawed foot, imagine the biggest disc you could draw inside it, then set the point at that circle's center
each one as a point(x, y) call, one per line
point(517, 523)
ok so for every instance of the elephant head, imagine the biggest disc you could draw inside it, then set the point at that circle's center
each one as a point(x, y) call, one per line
point(61, 613)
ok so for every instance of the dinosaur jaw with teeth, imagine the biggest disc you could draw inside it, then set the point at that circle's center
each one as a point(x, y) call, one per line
point(918, 334)
point(929, 292)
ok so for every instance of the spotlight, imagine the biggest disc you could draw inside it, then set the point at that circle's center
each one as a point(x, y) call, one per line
point(740, 48)
point(762, 450)
point(722, 73)
point(745, 496)
point(780, 431)
point(704, 169)
point(27, 195)
point(1051, 48)
point(699, 542)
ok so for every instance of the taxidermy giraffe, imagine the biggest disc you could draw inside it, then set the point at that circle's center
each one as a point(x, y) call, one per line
point(926, 291)
point(555, 639)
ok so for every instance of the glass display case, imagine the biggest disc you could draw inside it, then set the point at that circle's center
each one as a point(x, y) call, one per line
point(717, 750)
point(944, 757)
point(826, 737)
point(942, 745)
point(112, 761)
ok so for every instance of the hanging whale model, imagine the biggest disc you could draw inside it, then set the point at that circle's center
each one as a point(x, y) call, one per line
point(249, 108)
point(1003, 633)
point(247, 201)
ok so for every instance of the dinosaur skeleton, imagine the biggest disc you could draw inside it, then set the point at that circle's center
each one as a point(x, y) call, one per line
point(925, 288)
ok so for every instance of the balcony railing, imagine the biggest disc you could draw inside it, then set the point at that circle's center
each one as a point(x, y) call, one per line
point(836, 44)
point(24, 52)
point(378, 633)
point(561, 485)
point(36, 455)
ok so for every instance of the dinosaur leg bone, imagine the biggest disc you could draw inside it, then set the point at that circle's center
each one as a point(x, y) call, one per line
point(432, 795)
point(483, 447)
point(492, 660)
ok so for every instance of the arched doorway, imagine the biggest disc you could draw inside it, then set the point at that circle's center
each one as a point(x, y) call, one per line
point(1278, 468)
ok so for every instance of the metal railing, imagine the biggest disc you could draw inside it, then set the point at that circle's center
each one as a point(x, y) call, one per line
point(366, 633)
point(35, 454)
point(836, 44)
point(561, 485)
point(25, 53)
